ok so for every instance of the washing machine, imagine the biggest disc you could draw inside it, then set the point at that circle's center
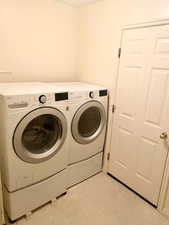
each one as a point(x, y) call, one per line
point(33, 146)
point(88, 114)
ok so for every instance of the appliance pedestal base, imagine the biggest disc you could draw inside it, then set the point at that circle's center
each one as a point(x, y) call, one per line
point(80, 171)
point(24, 201)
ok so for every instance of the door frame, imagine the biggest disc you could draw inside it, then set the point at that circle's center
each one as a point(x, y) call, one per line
point(165, 180)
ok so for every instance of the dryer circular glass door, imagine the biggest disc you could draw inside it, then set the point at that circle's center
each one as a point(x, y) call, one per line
point(88, 122)
point(40, 135)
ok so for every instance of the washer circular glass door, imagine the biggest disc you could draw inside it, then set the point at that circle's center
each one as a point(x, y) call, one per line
point(40, 134)
point(88, 122)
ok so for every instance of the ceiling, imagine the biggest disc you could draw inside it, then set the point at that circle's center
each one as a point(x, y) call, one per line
point(77, 2)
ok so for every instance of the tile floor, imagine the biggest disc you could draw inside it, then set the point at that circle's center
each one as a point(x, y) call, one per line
point(99, 200)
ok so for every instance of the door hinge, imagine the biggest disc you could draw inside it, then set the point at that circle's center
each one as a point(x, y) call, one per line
point(108, 156)
point(113, 108)
point(119, 52)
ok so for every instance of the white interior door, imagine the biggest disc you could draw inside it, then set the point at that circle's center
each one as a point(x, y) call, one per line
point(138, 154)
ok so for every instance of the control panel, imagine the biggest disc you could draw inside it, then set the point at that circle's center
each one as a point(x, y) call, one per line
point(22, 101)
point(15, 101)
point(83, 94)
point(32, 100)
point(87, 94)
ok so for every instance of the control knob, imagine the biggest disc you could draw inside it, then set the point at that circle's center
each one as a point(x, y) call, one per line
point(42, 99)
point(91, 94)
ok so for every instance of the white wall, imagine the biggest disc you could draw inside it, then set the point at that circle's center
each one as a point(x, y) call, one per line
point(38, 40)
point(100, 34)
point(101, 23)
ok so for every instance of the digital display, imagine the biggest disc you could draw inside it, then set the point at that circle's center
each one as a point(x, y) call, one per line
point(61, 96)
point(103, 93)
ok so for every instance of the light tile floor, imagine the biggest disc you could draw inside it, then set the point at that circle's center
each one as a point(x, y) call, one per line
point(99, 200)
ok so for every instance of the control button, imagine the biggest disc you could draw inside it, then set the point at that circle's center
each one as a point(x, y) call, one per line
point(91, 94)
point(42, 99)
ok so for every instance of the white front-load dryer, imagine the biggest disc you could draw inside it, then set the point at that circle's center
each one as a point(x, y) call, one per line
point(88, 115)
point(34, 147)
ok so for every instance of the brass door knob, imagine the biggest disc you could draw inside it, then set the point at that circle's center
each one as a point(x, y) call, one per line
point(164, 136)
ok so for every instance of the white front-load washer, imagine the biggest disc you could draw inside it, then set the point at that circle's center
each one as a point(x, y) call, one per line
point(88, 114)
point(33, 146)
